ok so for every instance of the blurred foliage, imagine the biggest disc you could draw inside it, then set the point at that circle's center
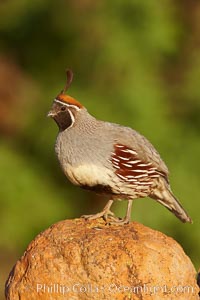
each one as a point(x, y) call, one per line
point(136, 63)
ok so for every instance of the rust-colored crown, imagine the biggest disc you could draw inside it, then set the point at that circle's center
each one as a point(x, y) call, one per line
point(66, 98)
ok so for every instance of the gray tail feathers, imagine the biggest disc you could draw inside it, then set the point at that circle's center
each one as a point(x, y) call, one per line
point(163, 194)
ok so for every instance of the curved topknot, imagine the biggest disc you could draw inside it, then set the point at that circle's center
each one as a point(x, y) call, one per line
point(69, 80)
point(65, 98)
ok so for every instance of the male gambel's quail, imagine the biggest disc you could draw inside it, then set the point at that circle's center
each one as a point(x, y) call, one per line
point(109, 158)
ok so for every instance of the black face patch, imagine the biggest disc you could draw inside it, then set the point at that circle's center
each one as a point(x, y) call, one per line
point(63, 119)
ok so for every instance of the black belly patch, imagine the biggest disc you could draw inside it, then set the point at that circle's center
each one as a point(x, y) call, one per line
point(99, 189)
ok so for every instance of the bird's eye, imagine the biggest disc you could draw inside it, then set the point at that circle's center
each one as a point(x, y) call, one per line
point(63, 108)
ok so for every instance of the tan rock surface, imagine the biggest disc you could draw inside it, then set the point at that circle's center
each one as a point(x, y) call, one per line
point(78, 259)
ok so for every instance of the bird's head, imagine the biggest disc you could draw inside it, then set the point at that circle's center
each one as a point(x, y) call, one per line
point(65, 108)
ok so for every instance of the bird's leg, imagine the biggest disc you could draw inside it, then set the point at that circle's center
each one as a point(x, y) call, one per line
point(127, 217)
point(105, 213)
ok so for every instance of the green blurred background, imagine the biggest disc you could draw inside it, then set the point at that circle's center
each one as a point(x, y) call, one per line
point(135, 62)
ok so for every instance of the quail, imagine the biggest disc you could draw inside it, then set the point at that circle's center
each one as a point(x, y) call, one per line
point(110, 159)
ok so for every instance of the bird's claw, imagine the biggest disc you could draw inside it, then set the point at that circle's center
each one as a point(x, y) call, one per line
point(119, 221)
point(106, 215)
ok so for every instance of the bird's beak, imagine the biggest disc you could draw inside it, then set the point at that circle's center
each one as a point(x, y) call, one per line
point(51, 114)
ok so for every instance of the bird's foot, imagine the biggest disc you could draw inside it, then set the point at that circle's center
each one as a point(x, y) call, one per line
point(119, 221)
point(127, 217)
point(106, 215)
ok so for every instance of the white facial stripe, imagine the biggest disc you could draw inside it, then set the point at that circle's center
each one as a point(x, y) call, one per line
point(68, 105)
point(72, 117)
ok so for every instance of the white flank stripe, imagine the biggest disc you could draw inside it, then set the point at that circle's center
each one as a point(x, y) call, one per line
point(139, 176)
point(116, 167)
point(144, 165)
point(119, 146)
point(152, 170)
point(125, 150)
point(115, 159)
point(132, 152)
point(123, 177)
point(134, 161)
point(127, 165)
point(123, 158)
point(145, 183)
point(129, 151)
point(132, 180)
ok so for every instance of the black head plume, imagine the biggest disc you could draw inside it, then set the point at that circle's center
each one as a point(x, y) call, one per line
point(70, 75)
